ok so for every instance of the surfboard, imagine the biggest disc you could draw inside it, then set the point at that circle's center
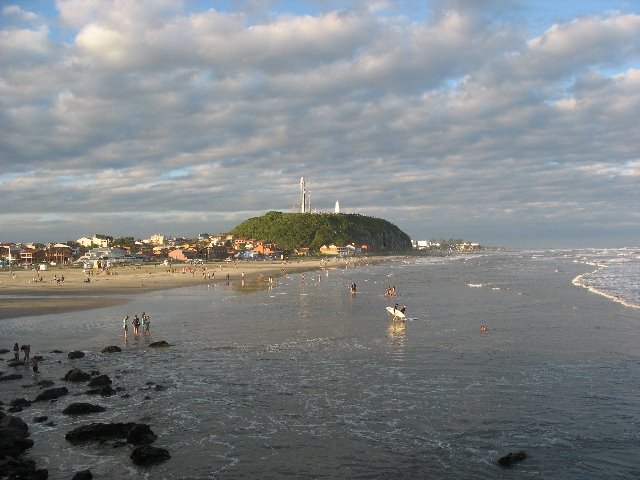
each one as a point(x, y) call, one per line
point(395, 313)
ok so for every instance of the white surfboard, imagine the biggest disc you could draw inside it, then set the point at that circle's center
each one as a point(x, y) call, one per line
point(395, 313)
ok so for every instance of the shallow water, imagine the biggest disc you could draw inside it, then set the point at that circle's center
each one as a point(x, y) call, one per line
point(306, 380)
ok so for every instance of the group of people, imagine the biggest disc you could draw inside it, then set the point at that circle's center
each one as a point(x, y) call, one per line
point(26, 349)
point(143, 321)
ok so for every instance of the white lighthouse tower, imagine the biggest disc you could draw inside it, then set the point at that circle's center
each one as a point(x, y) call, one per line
point(337, 209)
point(303, 194)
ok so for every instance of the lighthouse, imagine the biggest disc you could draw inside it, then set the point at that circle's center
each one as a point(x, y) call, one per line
point(303, 196)
point(337, 209)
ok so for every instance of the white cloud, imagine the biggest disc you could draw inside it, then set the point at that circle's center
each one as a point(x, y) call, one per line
point(474, 121)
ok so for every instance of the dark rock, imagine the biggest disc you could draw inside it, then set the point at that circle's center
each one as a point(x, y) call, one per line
point(512, 458)
point(56, 351)
point(76, 375)
point(111, 349)
point(20, 402)
point(41, 419)
point(14, 409)
point(160, 388)
point(149, 455)
point(3, 351)
point(50, 424)
point(45, 383)
point(11, 376)
point(99, 381)
point(141, 434)
point(161, 343)
point(104, 391)
point(101, 432)
point(52, 394)
point(75, 354)
point(21, 469)
point(82, 408)
point(14, 437)
point(83, 475)
point(126, 395)
point(13, 363)
point(147, 397)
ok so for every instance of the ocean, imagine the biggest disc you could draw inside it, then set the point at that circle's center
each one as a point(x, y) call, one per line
point(306, 380)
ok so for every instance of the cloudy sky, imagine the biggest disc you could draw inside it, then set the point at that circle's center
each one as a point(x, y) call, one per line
point(511, 123)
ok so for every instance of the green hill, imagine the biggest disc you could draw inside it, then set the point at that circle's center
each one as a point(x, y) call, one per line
point(299, 230)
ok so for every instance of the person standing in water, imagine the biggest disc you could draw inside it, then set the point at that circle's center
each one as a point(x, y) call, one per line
point(125, 325)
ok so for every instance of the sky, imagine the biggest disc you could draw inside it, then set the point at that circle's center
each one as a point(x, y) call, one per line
point(504, 122)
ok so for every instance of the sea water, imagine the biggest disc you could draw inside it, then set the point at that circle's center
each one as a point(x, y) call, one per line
point(306, 380)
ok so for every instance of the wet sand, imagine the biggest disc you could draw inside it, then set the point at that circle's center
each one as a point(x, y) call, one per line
point(23, 294)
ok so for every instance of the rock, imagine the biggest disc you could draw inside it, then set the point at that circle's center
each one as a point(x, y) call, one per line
point(20, 402)
point(14, 409)
point(83, 475)
point(14, 437)
point(82, 408)
point(111, 349)
point(45, 383)
point(102, 432)
point(141, 434)
point(41, 419)
point(512, 458)
point(21, 469)
point(13, 363)
point(161, 343)
point(76, 375)
point(56, 351)
point(52, 394)
point(160, 388)
point(149, 455)
point(99, 381)
point(3, 351)
point(75, 354)
point(11, 376)
point(104, 391)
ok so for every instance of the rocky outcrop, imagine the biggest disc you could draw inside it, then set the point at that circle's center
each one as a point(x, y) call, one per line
point(76, 375)
point(108, 431)
point(83, 408)
point(75, 354)
point(99, 381)
point(103, 391)
point(14, 441)
point(83, 475)
point(149, 455)
point(111, 349)
point(511, 458)
point(51, 394)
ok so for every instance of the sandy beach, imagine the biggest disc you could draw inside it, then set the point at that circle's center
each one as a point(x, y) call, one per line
point(29, 292)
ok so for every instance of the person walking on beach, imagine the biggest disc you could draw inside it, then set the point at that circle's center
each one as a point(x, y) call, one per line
point(27, 350)
point(16, 352)
point(136, 324)
point(125, 325)
point(146, 324)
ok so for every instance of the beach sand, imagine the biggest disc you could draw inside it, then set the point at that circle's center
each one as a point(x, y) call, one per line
point(22, 294)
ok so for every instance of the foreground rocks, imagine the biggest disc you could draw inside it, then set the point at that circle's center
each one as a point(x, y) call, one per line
point(149, 455)
point(76, 375)
point(161, 343)
point(82, 408)
point(511, 458)
point(102, 432)
point(51, 394)
point(14, 441)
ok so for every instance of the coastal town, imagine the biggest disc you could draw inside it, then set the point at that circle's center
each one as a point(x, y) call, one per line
point(99, 250)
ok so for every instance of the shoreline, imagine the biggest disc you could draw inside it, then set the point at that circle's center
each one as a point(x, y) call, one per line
point(23, 294)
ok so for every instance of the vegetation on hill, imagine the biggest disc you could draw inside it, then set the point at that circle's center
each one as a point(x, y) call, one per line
point(313, 230)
